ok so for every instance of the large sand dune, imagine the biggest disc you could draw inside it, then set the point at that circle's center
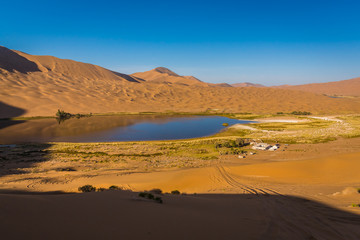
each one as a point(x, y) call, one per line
point(40, 85)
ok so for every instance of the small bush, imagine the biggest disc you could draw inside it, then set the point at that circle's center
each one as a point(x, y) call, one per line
point(159, 200)
point(176, 192)
point(113, 187)
point(143, 194)
point(87, 188)
point(150, 196)
point(101, 189)
point(300, 113)
point(355, 205)
point(225, 124)
point(156, 191)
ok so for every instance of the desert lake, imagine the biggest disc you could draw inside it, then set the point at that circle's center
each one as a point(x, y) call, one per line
point(112, 128)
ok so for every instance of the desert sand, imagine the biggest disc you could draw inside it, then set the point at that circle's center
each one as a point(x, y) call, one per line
point(304, 192)
point(39, 85)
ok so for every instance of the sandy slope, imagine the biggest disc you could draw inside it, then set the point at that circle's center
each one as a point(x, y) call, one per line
point(349, 87)
point(247, 201)
point(75, 87)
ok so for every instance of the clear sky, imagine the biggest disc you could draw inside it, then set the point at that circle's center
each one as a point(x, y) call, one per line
point(270, 42)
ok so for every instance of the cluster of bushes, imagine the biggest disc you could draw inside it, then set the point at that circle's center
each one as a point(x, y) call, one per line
point(232, 146)
point(239, 142)
point(300, 113)
point(91, 188)
point(150, 196)
point(61, 115)
point(233, 151)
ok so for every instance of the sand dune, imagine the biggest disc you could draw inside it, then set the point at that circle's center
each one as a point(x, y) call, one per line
point(164, 75)
point(82, 88)
point(349, 87)
point(121, 215)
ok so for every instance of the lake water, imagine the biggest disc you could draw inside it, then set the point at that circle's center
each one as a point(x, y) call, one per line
point(112, 128)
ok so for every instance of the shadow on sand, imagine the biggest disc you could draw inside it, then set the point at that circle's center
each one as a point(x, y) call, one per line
point(123, 215)
point(15, 159)
point(7, 112)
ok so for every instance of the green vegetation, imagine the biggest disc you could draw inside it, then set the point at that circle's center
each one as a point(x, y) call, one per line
point(61, 115)
point(353, 122)
point(87, 188)
point(355, 205)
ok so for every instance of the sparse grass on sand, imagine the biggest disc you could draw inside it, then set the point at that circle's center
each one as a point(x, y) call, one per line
point(301, 130)
point(86, 160)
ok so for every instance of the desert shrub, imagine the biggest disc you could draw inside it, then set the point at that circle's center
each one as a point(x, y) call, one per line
point(101, 189)
point(67, 169)
point(87, 188)
point(355, 205)
point(156, 191)
point(300, 113)
point(279, 113)
point(63, 115)
point(143, 194)
point(176, 192)
point(113, 187)
point(150, 196)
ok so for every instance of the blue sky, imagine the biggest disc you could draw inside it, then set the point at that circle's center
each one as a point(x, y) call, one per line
point(269, 42)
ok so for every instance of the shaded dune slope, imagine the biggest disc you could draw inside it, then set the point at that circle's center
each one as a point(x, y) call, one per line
point(121, 215)
point(82, 88)
point(12, 61)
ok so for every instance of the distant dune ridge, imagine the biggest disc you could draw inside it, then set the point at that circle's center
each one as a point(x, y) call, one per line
point(164, 75)
point(349, 87)
point(39, 85)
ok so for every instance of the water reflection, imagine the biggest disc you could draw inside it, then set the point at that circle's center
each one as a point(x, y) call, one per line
point(114, 128)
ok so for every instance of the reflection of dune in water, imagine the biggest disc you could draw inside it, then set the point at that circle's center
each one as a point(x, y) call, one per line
point(100, 128)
